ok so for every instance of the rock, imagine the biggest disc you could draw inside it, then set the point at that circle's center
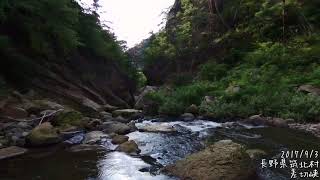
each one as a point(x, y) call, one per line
point(94, 124)
point(209, 99)
point(77, 139)
point(187, 117)
point(141, 100)
point(129, 147)
point(23, 125)
point(193, 109)
point(119, 139)
point(115, 127)
point(310, 89)
point(223, 160)
point(121, 119)
point(255, 154)
point(277, 122)
point(90, 105)
point(126, 113)
point(309, 128)
point(105, 116)
point(94, 137)
point(256, 120)
point(12, 151)
point(157, 128)
point(132, 126)
point(43, 135)
point(109, 108)
point(14, 112)
point(70, 118)
point(85, 147)
point(233, 89)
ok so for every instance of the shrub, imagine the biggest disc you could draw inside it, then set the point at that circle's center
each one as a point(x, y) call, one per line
point(213, 71)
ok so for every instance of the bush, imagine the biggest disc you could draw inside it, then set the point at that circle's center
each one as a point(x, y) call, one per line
point(213, 71)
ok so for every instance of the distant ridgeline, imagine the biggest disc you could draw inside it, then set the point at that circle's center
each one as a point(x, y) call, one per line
point(59, 47)
point(265, 49)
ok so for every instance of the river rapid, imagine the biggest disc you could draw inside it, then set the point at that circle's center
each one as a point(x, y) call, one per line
point(158, 149)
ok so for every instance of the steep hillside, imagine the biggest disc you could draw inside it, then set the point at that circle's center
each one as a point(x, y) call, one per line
point(60, 49)
point(252, 57)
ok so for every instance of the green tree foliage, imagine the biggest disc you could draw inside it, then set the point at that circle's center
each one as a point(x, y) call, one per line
point(251, 52)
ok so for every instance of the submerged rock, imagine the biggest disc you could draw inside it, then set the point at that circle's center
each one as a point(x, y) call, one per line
point(223, 160)
point(12, 151)
point(43, 135)
point(85, 147)
point(129, 147)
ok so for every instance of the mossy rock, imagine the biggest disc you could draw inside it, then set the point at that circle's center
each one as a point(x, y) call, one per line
point(43, 135)
point(70, 118)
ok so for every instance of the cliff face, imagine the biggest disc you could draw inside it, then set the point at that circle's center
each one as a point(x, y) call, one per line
point(58, 48)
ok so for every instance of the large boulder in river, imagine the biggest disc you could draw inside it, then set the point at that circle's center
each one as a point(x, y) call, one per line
point(223, 160)
point(42, 135)
point(119, 139)
point(94, 137)
point(130, 147)
point(115, 127)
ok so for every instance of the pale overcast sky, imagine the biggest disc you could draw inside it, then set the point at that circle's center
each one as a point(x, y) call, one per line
point(133, 20)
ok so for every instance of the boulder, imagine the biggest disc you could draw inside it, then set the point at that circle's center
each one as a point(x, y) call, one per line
point(223, 160)
point(233, 89)
point(126, 113)
point(14, 112)
point(70, 118)
point(94, 124)
point(129, 147)
point(12, 151)
point(141, 100)
point(94, 137)
point(256, 120)
point(121, 119)
point(119, 139)
point(209, 99)
point(43, 135)
point(187, 117)
point(115, 127)
point(278, 122)
point(193, 109)
point(255, 154)
point(310, 89)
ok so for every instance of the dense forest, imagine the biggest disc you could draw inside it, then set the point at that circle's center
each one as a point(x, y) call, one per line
point(60, 43)
point(251, 56)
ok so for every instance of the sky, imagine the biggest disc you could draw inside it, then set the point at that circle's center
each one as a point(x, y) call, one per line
point(133, 20)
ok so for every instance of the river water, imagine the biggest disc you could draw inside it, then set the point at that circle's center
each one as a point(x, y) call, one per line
point(157, 150)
